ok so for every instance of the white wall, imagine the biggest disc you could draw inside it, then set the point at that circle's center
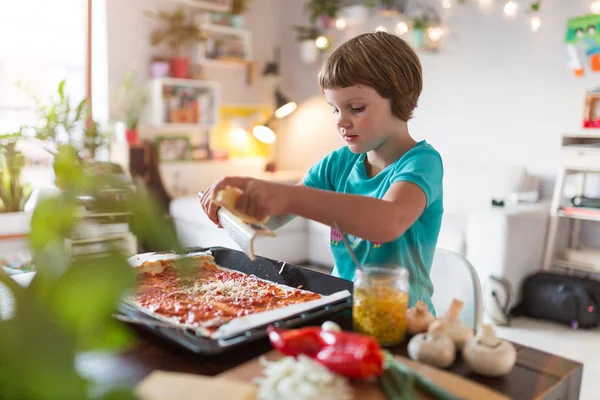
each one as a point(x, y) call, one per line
point(128, 45)
point(496, 92)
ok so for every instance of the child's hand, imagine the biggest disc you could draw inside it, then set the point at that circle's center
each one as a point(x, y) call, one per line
point(258, 200)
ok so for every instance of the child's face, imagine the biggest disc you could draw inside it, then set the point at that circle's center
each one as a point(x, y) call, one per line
point(362, 116)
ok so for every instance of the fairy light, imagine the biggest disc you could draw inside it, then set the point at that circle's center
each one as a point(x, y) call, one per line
point(340, 24)
point(595, 7)
point(322, 42)
point(435, 33)
point(535, 22)
point(510, 8)
point(485, 4)
point(401, 28)
point(446, 4)
point(380, 28)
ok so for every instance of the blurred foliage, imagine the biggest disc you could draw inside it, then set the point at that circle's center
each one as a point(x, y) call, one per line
point(64, 122)
point(13, 192)
point(67, 309)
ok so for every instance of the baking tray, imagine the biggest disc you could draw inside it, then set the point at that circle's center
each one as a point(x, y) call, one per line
point(264, 268)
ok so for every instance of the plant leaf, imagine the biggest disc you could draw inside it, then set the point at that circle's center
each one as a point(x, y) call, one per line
point(37, 358)
point(85, 297)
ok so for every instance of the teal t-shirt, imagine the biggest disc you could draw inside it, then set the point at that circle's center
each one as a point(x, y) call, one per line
point(345, 172)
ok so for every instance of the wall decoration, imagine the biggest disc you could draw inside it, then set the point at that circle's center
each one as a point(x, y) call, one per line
point(233, 133)
point(418, 21)
point(583, 39)
point(174, 148)
point(591, 113)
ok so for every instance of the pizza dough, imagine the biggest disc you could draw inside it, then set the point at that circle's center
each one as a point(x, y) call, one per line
point(228, 197)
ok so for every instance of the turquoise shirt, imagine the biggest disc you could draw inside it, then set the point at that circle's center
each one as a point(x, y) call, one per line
point(344, 172)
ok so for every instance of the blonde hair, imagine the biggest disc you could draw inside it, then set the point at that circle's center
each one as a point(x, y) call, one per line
point(381, 61)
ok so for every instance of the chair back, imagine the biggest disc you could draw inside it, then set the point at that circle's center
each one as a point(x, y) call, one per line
point(454, 277)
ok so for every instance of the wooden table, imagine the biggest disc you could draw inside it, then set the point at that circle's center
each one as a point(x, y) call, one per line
point(537, 375)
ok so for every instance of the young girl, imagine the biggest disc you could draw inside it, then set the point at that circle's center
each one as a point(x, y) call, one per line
point(384, 189)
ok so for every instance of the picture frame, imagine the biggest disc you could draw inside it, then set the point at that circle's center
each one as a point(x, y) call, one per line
point(174, 148)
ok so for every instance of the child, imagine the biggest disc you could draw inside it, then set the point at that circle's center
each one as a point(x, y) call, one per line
point(384, 189)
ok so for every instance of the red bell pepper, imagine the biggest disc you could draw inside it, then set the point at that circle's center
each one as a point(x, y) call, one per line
point(350, 354)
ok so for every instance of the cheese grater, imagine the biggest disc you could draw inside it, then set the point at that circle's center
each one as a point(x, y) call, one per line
point(242, 233)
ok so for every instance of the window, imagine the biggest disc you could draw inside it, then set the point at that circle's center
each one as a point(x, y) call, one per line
point(42, 42)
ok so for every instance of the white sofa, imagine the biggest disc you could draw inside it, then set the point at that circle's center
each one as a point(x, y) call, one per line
point(501, 241)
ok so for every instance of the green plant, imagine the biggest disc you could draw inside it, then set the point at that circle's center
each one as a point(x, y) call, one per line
point(320, 8)
point(13, 193)
point(239, 7)
point(177, 31)
point(306, 33)
point(63, 123)
point(129, 101)
point(58, 118)
point(67, 309)
point(420, 23)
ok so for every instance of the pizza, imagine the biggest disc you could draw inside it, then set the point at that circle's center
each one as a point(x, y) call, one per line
point(208, 297)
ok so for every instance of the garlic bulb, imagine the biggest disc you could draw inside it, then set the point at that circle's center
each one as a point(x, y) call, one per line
point(433, 347)
point(458, 331)
point(418, 318)
point(489, 355)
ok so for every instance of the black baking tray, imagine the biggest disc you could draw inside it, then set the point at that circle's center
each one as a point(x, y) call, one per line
point(263, 268)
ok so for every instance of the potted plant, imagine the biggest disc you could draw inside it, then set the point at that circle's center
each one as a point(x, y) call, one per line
point(238, 8)
point(13, 192)
point(127, 105)
point(178, 33)
point(68, 309)
point(324, 11)
point(306, 36)
point(419, 26)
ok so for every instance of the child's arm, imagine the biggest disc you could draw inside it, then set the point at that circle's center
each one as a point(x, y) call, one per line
point(375, 220)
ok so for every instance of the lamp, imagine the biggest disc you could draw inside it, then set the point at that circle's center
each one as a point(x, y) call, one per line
point(285, 107)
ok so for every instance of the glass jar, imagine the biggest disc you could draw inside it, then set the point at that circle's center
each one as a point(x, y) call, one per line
point(380, 302)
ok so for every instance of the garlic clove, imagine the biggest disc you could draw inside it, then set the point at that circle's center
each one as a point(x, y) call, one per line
point(418, 318)
point(488, 355)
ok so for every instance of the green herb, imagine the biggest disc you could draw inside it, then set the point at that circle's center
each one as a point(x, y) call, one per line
point(399, 380)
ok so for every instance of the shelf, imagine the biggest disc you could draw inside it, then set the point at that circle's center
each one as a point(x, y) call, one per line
point(101, 215)
point(582, 216)
point(229, 30)
point(557, 262)
point(170, 98)
point(206, 5)
point(107, 238)
point(224, 63)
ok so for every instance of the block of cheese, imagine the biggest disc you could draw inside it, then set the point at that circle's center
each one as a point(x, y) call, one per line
point(228, 197)
point(163, 385)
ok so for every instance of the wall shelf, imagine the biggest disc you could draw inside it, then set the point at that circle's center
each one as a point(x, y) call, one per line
point(207, 5)
point(183, 103)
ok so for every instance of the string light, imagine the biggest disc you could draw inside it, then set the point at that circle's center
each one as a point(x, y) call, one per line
point(401, 28)
point(485, 4)
point(322, 42)
point(435, 33)
point(510, 8)
point(535, 22)
point(446, 4)
point(340, 24)
point(595, 7)
point(380, 28)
